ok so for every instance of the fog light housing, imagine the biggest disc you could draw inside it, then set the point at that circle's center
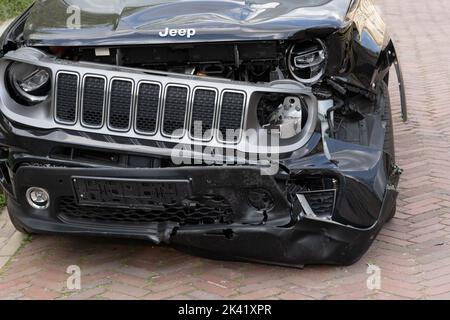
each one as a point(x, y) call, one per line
point(38, 198)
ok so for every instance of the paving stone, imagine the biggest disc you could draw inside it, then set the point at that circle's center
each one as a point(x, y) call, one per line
point(412, 251)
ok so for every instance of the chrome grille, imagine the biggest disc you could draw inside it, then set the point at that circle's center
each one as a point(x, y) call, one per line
point(111, 103)
point(120, 104)
point(203, 108)
point(147, 107)
point(66, 97)
point(176, 101)
point(231, 114)
point(93, 101)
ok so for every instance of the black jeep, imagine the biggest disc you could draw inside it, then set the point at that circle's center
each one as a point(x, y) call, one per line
point(241, 130)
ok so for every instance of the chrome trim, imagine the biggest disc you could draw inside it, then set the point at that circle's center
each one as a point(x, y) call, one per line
point(243, 116)
point(89, 75)
point(158, 111)
point(214, 120)
point(305, 205)
point(188, 98)
point(108, 108)
point(321, 191)
point(30, 201)
point(55, 95)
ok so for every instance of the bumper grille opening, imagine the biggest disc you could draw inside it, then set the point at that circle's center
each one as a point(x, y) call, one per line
point(199, 210)
point(108, 158)
point(321, 202)
point(320, 192)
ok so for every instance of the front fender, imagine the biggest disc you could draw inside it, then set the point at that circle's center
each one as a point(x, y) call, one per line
point(364, 52)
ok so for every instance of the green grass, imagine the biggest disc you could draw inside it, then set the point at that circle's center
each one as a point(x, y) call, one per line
point(2, 200)
point(11, 8)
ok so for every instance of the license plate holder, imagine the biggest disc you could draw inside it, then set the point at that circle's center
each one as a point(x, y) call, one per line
point(130, 193)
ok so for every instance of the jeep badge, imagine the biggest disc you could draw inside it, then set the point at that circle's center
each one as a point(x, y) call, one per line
point(177, 32)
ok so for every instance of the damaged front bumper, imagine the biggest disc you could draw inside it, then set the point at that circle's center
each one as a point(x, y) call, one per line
point(258, 218)
point(325, 204)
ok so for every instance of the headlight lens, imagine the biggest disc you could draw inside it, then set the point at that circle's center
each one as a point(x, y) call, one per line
point(307, 61)
point(28, 84)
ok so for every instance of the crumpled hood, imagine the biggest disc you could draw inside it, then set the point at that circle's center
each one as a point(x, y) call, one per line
point(126, 22)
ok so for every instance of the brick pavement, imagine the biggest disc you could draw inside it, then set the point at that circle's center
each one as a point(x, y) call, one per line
point(412, 251)
point(10, 239)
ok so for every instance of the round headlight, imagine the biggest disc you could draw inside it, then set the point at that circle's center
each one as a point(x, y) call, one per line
point(307, 61)
point(28, 84)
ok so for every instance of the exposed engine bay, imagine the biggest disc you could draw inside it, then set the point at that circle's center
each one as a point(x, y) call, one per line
point(255, 61)
point(261, 61)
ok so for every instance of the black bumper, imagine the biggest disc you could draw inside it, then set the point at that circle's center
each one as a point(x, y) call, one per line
point(279, 238)
point(281, 235)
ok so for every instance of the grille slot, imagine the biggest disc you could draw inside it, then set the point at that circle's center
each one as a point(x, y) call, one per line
point(207, 209)
point(93, 101)
point(203, 110)
point(147, 107)
point(321, 202)
point(231, 113)
point(66, 97)
point(175, 110)
point(120, 104)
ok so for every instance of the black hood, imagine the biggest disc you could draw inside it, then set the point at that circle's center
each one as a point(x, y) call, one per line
point(128, 22)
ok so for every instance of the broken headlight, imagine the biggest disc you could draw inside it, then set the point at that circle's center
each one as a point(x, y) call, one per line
point(28, 84)
point(307, 61)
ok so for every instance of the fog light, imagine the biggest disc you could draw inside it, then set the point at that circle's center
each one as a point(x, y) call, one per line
point(38, 198)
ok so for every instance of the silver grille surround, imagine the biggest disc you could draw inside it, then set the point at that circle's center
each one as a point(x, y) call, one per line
point(39, 116)
point(161, 108)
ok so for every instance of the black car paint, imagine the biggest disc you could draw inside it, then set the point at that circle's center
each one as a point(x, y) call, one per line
point(139, 22)
point(354, 30)
point(362, 56)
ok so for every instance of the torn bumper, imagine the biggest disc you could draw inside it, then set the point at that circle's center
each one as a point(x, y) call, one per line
point(282, 239)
